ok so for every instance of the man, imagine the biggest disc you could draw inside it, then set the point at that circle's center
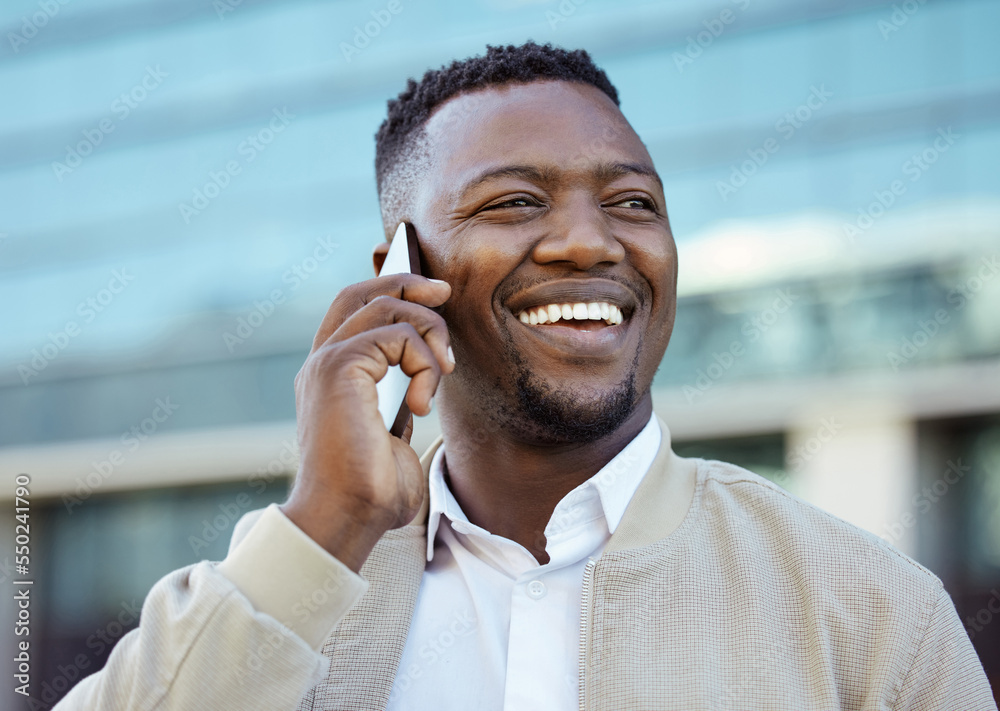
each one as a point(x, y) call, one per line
point(552, 553)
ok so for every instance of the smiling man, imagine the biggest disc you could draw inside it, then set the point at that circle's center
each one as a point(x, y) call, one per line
point(550, 552)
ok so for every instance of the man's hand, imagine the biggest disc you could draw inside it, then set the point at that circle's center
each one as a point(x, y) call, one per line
point(355, 480)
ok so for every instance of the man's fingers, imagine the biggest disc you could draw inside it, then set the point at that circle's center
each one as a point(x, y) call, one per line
point(419, 362)
point(385, 311)
point(376, 350)
point(405, 287)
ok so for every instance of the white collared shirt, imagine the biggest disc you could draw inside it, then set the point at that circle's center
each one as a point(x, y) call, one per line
point(492, 628)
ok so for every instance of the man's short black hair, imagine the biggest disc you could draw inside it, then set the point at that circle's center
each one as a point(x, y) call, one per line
point(501, 65)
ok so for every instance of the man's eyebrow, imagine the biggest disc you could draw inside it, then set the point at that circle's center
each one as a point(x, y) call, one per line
point(604, 172)
point(526, 172)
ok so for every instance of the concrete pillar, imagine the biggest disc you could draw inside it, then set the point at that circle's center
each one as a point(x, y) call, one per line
point(861, 467)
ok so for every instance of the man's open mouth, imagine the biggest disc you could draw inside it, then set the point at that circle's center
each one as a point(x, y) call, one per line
point(578, 315)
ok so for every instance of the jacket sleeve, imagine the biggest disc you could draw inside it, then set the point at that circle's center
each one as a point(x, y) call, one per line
point(946, 674)
point(241, 634)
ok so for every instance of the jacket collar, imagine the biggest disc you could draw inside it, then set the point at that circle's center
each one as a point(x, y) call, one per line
point(662, 500)
point(656, 510)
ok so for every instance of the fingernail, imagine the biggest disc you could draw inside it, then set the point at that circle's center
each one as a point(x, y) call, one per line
point(451, 355)
point(436, 281)
point(430, 405)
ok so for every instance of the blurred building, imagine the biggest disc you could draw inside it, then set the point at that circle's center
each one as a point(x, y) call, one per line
point(186, 184)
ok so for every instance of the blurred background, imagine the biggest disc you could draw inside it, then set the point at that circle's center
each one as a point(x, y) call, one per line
point(185, 185)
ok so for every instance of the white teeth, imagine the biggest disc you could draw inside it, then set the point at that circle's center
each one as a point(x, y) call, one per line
point(591, 311)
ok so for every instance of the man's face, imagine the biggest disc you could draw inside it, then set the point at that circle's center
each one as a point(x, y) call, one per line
point(541, 195)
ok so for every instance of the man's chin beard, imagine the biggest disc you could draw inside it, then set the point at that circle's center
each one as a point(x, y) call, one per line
point(527, 407)
point(549, 416)
point(540, 413)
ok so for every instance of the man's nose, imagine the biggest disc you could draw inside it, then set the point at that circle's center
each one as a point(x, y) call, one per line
point(580, 235)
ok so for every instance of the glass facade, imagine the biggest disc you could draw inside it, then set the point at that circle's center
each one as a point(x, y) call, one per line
point(185, 186)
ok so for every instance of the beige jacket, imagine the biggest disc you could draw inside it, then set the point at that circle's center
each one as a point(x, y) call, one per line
point(718, 590)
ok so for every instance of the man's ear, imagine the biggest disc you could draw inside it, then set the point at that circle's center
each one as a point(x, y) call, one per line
point(379, 255)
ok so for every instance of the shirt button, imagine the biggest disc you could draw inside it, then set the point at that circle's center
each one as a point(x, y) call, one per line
point(536, 590)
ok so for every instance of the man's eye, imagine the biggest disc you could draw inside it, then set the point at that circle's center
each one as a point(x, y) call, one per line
point(513, 202)
point(635, 204)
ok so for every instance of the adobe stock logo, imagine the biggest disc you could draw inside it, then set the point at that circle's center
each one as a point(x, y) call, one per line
point(218, 180)
point(900, 16)
point(786, 127)
point(223, 6)
point(363, 36)
point(698, 43)
point(922, 502)
point(295, 275)
point(753, 328)
point(976, 623)
point(914, 168)
point(566, 9)
point(807, 451)
point(121, 107)
point(927, 329)
point(31, 25)
point(88, 309)
point(132, 438)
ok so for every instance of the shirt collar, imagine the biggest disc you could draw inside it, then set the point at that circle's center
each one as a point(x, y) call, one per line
point(615, 483)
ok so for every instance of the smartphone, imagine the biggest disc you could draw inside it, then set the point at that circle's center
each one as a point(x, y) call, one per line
point(403, 257)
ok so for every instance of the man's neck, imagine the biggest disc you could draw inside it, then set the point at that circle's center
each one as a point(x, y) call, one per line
point(510, 487)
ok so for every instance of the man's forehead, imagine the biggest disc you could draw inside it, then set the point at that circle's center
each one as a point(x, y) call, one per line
point(527, 100)
point(550, 127)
